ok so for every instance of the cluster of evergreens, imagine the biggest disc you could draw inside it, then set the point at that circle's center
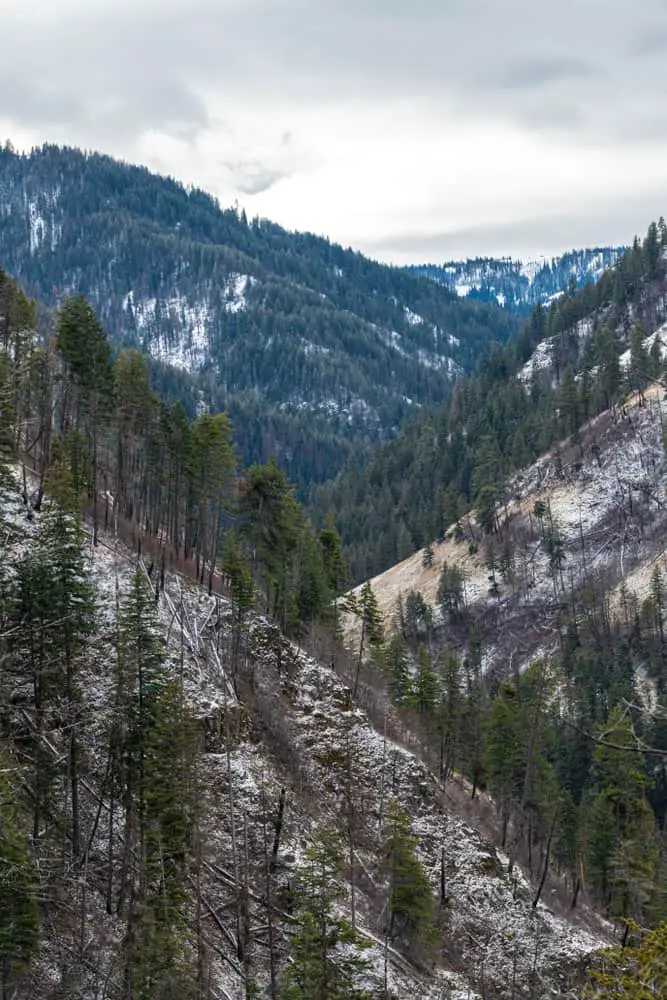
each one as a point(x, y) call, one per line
point(99, 789)
point(493, 279)
point(445, 461)
point(309, 369)
point(142, 467)
point(574, 764)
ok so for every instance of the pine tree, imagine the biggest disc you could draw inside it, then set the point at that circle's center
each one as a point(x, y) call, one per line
point(621, 843)
point(365, 608)
point(19, 914)
point(639, 360)
point(153, 744)
point(395, 660)
point(449, 711)
point(270, 522)
point(637, 973)
point(450, 591)
point(325, 952)
point(651, 251)
point(410, 911)
point(87, 401)
point(425, 690)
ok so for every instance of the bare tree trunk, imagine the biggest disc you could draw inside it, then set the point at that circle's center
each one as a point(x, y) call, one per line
point(545, 867)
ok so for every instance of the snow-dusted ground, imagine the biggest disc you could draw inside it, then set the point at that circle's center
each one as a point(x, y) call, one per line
point(177, 330)
point(607, 504)
point(295, 726)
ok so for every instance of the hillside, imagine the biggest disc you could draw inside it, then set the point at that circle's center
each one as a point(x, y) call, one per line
point(446, 461)
point(196, 777)
point(519, 285)
point(602, 496)
point(292, 732)
point(315, 351)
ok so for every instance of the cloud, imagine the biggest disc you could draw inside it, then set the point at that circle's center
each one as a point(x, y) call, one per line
point(252, 177)
point(523, 237)
point(359, 117)
point(532, 73)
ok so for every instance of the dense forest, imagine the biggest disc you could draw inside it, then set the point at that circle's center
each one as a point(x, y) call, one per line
point(575, 772)
point(518, 285)
point(315, 351)
point(445, 461)
point(113, 842)
point(117, 813)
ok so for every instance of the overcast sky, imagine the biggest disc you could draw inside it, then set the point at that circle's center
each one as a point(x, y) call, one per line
point(413, 130)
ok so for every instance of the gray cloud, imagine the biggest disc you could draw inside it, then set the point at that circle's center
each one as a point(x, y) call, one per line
point(109, 73)
point(551, 234)
point(149, 63)
point(532, 73)
point(253, 177)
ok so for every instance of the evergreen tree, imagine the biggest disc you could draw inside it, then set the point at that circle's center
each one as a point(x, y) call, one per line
point(410, 912)
point(450, 591)
point(621, 843)
point(153, 743)
point(19, 914)
point(325, 952)
point(395, 660)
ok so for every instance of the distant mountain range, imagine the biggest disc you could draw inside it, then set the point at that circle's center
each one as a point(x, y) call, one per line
point(519, 285)
point(315, 350)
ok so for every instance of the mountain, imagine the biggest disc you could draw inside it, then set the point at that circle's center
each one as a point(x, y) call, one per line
point(314, 350)
point(446, 461)
point(204, 793)
point(518, 285)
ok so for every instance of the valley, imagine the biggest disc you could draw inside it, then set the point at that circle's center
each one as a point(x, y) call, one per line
point(407, 740)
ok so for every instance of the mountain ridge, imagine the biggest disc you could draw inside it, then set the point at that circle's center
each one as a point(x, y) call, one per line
point(519, 285)
point(334, 350)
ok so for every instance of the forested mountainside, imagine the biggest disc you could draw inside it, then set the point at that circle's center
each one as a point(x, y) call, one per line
point(518, 285)
point(203, 793)
point(564, 367)
point(315, 351)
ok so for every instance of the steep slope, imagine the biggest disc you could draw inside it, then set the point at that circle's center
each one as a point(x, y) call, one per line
point(292, 729)
point(329, 349)
point(518, 285)
point(444, 462)
point(169, 757)
point(603, 497)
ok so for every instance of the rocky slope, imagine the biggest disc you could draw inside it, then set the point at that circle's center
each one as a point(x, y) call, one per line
point(605, 498)
point(295, 727)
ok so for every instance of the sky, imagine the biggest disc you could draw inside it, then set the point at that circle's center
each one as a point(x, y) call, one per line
point(413, 131)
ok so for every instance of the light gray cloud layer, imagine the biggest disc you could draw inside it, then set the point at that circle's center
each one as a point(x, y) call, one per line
point(232, 77)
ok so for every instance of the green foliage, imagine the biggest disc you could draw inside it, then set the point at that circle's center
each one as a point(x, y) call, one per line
point(450, 591)
point(326, 960)
point(306, 368)
point(153, 745)
point(636, 973)
point(19, 915)
point(418, 616)
point(83, 344)
point(622, 847)
point(410, 904)
point(458, 457)
point(397, 666)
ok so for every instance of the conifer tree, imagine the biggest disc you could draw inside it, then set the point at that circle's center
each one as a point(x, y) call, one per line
point(410, 910)
point(87, 401)
point(364, 606)
point(153, 747)
point(621, 843)
point(19, 914)
point(395, 660)
point(450, 591)
point(326, 957)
